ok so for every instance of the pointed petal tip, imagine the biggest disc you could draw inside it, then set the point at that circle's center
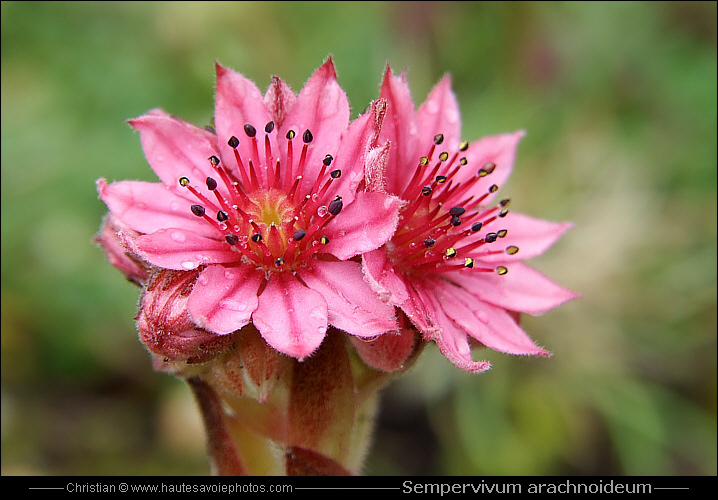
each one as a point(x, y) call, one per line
point(328, 67)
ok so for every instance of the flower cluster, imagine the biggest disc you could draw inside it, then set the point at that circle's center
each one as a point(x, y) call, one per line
point(288, 219)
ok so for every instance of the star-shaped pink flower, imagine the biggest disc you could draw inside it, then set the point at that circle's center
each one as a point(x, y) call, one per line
point(454, 266)
point(269, 208)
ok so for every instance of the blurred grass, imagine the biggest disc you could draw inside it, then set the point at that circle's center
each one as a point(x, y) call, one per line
point(619, 101)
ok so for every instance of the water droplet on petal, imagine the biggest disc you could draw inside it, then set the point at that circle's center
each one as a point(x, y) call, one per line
point(322, 211)
point(233, 305)
point(188, 264)
point(452, 116)
point(178, 236)
point(432, 106)
point(229, 274)
point(203, 280)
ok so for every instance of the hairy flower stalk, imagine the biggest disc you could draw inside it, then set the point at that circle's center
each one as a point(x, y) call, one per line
point(454, 265)
point(247, 252)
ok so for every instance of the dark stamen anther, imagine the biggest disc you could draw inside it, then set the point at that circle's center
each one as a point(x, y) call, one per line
point(279, 262)
point(489, 167)
point(457, 211)
point(463, 146)
point(307, 137)
point(463, 160)
point(232, 239)
point(450, 252)
point(504, 212)
point(213, 160)
point(501, 270)
point(335, 174)
point(476, 226)
point(423, 161)
point(441, 179)
point(505, 202)
point(323, 240)
point(491, 237)
point(493, 188)
point(222, 216)
point(444, 156)
point(429, 242)
point(502, 233)
point(468, 262)
point(327, 159)
point(426, 190)
point(198, 210)
point(455, 221)
point(184, 181)
point(335, 206)
point(269, 127)
point(291, 134)
point(250, 130)
point(438, 139)
point(512, 250)
point(257, 237)
point(233, 142)
point(211, 184)
point(299, 234)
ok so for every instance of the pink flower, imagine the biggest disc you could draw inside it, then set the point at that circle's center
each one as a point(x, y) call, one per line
point(454, 266)
point(268, 209)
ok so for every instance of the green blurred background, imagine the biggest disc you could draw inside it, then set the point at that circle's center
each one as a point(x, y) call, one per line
point(619, 101)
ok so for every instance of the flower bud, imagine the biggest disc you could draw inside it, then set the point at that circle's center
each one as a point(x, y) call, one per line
point(166, 328)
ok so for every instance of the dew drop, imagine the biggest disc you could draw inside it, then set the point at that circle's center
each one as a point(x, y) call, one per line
point(188, 265)
point(322, 211)
point(178, 237)
point(203, 280)
point(233, 305)
point(432, 106)
point(228, 274)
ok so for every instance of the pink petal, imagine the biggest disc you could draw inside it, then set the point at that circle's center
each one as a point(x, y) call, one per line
point(497, 149)
point(382, 277)
point(224, 298)
point(452, 340)
point(439, 114)
point(175, 149)
point(532, 236)
point(490, 325)
point(291, 317)
point(181, 250)
point(238, 102)
point(147, 207)
point(278, 100)
point(397, 129)
point(522, 289)
point(321, 107)
point(352, 305)
point(366, 224)
point(355, 150)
